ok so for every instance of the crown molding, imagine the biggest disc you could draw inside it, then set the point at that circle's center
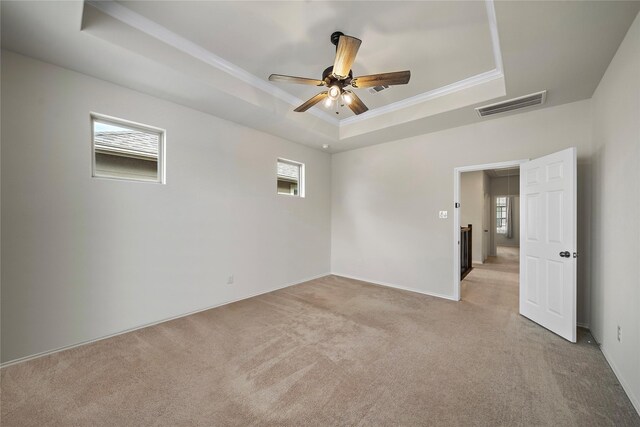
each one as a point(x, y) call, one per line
point(495, 39)
point(163, 34)
point(159, 32)
point(467, 83)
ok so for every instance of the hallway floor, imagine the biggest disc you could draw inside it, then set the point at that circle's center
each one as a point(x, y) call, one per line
point(494, 283)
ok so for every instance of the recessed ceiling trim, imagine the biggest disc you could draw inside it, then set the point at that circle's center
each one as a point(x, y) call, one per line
point(467, 83)
point(478, 79)
point(495, 39)
point(163, 34)
point(153, 29)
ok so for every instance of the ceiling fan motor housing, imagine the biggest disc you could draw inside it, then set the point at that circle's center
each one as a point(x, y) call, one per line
point(331, 80)
point(335, 37)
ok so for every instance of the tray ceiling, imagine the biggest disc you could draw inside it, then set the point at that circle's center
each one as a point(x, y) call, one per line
point(440, 42)
point(215, 56)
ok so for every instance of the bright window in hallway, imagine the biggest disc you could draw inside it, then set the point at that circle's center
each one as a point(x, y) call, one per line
point(501, 215)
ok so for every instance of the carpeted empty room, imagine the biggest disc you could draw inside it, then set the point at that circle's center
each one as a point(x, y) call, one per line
point(332, 351)
point(292, 213)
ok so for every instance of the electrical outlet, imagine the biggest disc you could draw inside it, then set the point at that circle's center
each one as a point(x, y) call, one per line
point(230, 280)
point(619, 333)
point(443, 214)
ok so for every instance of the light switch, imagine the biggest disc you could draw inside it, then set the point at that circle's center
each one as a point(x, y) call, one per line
point(443, 214)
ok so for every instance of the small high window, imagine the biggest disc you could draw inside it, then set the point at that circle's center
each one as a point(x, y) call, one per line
point(125, 150)
point(290, 176)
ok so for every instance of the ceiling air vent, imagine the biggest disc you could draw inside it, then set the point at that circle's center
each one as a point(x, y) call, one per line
point(377, 89)
point(537, 98)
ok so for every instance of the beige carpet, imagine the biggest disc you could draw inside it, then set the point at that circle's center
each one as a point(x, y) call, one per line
point(331, 351)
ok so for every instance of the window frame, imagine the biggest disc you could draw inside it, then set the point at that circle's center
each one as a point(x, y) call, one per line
point(301, 177)
point(116, 121)
point(501, 218)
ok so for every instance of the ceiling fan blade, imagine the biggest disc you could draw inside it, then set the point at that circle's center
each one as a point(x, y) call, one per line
point(297, 80)
point(384, 79)
point(311, 102)
point(345, 55)
point(356, 105)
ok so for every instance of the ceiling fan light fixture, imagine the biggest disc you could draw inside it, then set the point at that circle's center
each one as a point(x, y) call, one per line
point(334, 92)
point(339, 76)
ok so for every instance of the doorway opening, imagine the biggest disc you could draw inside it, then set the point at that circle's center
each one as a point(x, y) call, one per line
point(490, 237)
point(486, 222)
point(547, 279)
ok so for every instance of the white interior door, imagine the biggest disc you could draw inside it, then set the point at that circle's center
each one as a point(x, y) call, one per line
point(548, 242)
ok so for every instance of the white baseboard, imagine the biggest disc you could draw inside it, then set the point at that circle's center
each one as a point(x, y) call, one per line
point(389, 285)
point(635, 401)
point(146, 325)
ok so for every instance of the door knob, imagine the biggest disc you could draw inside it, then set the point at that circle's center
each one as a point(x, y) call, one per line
point(565, 254)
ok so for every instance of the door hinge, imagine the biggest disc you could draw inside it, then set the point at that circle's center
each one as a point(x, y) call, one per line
point(457, 205)
point(575, 254)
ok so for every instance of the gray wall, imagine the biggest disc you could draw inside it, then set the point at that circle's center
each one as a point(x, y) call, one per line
point(472, 189)
point(616, 214)
point(83, 258)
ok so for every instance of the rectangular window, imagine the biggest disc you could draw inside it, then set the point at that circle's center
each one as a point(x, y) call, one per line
point(125, 150)
point(290, 177)
point(501, 215)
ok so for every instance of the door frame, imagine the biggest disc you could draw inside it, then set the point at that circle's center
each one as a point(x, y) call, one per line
point(456, 212)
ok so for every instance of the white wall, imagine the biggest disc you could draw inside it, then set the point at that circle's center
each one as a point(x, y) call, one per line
point(472, 209)
point(616, 214)
point(83, 258)
point(386, 198)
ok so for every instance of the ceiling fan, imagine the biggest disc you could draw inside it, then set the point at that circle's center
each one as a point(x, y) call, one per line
point(339, 78)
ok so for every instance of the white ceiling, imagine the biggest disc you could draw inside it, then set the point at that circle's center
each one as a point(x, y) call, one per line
point(441, 43)
point(216, 56)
